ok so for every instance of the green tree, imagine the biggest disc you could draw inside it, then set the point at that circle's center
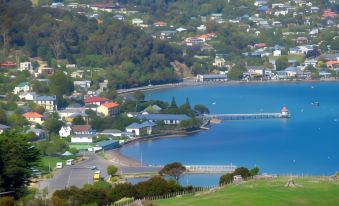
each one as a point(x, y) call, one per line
point(174, 170)
point(112, 170)
point(243, 171)
point(226, 179)
point(154, 186)
point(3, 117)
point(18, 156)
point(78, 120)
point(60, 84)
point(202, 109)
point(254, 171)
point(53, 124)
point(281, 63)
point(173, 103)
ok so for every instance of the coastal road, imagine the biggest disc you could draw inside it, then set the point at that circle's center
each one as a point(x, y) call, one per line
point(80, 174)
point(76, 175)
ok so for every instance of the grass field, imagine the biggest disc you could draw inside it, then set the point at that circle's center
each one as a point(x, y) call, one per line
point(309, 191)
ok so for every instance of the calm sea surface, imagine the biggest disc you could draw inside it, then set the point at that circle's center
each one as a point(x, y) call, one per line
point(307, 143)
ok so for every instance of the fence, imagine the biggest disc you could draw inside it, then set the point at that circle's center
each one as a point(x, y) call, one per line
point(166, 196)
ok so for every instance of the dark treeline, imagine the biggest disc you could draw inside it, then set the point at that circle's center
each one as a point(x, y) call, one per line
point(126, 51)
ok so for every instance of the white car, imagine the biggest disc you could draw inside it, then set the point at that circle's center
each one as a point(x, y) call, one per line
point(59, 165)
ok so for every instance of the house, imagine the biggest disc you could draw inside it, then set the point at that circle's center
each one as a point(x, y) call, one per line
point(28, 96)
point(204, 37)
point(160, 24)
point(22, 87)
point(181, 29)
point(65, 131)
point(219, 62)
point(111, 132)
point(256, 70)
point(328, 14)
point(139, 129)
point(333, 65)
point(211, 77)
point(48, 102)
point(301, 40)
point(69, 112)
point(311, 62)
point(3, 128)
point(8, 64)
point(202, 28)
point(295, 50)
point(277, 53)
point(119, 17)
point(106, 145)
point(166, 118)
point(26, 66)
point(96, 100)
point(108, 109)
point(77, 74)
point(82, 138)
point(34, 117)
point(192, 41)
point(82, 85)
point(137, 21)
point(45, 70)
point(83, 129)
point(71, 117)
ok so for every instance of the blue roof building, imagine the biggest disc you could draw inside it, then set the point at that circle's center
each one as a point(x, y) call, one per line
point(167, 118)
point(108, 144)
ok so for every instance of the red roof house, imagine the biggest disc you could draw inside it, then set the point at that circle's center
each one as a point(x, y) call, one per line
point(96, 100)
point(8, 64)
point(329, 14)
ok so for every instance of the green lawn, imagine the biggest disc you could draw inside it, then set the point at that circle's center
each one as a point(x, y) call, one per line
point(309, 191)
point(47, 162)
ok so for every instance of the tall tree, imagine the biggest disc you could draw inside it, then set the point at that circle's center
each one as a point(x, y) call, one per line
point(174, 170)
point(18, 157)
point(173, 103)
point(61, 84)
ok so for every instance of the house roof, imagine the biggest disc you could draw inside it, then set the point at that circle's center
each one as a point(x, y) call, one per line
point(332, 62)
point(46, 98)
point(81, 128)
point(136, 125)
point(110, 105)
point(32, 115)
point(256, 67)
point(94, 99)
point(110, 131)
point(106, 143)
point(2, 126)
point(164, 117)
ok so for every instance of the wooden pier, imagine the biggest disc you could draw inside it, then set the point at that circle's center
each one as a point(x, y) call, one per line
point(210, 168)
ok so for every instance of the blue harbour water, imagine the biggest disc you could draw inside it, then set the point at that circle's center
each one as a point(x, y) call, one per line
point(307, 143)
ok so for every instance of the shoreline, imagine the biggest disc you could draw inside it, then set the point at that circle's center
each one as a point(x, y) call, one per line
point(192, 83)
point(121, 160)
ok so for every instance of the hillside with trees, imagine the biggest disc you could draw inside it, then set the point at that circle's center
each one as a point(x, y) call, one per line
point(126, 52)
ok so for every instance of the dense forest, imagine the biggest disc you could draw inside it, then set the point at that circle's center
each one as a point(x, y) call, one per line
point(54, 34)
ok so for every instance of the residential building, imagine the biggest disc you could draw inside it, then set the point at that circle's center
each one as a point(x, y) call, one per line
point(39, 133)
point(82, 138)
point(219, 62)
point(96, 100)
point(160, 24)
point(108, 109)
point(166, 118)
point(45, 70)
point(139, 129)
point(334, 65)
point(153, 109)
point(65, 131)
point(34, 117)
point(211, 77)
point(83, 129)
point(111, 132)
point(3, 128)
point(137, 21)
point(277, 53)
point(82, 85)
point(26, 66)
point(28, 96)
point(256, 70)
point(48, 102)
point(106, 145)
point(22, 87)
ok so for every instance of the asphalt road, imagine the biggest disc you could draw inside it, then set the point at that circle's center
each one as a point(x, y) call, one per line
point(76, 175)
point(80, 174)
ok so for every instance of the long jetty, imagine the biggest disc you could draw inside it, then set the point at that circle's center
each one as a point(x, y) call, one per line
point(210, 168)
point(245, 116)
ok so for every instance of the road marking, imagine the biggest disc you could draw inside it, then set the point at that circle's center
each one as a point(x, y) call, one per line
point(69, 177)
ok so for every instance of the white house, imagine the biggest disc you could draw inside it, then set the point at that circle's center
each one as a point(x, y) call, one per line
point(28, 96)
point(137, 21)
point(65, 131)
point(26, 66)
point(277, 53)
point(202, 28)
point(139, 129)
point(82, 138)
point(22, 87)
